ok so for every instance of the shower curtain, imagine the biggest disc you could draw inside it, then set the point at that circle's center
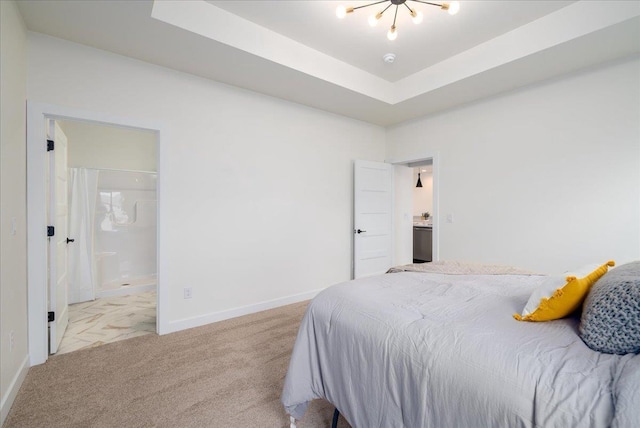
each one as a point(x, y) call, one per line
point(83, 188)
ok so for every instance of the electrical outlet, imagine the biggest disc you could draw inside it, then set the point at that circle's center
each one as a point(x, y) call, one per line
point(449, 218)
point(188, 293)
point(12, 340)
point(14, 225)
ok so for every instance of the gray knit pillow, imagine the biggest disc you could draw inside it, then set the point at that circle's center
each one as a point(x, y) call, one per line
point(611, 313)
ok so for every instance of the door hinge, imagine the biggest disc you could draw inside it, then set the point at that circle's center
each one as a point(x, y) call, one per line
point(51, 316)
point(50, 145)
point(51, 230)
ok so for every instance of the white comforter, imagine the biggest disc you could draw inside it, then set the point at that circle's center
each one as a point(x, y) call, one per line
point(433, 350)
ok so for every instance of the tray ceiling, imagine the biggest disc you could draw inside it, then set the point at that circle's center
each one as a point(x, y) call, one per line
point(299, 51)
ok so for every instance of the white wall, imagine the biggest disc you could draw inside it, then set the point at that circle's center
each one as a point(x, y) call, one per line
point(13, 246)
point(547, 177)
point(256, 192)
point(98, 146)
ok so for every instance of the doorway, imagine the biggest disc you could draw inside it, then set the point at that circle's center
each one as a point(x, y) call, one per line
point(411, 203)
point(38, 161)
point(111, 246)
point(422, 187)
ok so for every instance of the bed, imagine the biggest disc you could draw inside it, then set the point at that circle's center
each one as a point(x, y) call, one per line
point(441, 349)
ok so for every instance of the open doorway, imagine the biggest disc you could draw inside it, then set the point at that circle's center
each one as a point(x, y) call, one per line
point(41, 253)
point(112, 244)
point(410, 207)
point(385, 213)
point(422, 212)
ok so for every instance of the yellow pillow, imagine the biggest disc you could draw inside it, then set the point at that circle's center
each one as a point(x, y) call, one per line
point(553, 301)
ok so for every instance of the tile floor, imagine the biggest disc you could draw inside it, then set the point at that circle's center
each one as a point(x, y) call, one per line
point(109, 319)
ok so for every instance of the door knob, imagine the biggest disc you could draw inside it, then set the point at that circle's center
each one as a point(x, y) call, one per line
point(360, 231)
point(70, 240)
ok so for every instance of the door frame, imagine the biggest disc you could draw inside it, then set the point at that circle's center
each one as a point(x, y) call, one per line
point(37, 216)
point(435, 157)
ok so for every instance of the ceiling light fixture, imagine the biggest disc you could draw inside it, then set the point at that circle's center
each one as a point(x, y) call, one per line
point(419, 183)
point(416, 16)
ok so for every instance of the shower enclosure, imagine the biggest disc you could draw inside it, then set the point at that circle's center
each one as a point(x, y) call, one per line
point(113, 216)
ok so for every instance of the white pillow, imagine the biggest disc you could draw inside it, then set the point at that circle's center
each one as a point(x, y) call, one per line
point(551, 284)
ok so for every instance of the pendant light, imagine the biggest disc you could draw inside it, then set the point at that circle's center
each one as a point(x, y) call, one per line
point(416, 15)
point(419, 183)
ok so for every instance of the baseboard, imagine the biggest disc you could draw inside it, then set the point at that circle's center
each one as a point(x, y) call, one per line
point(13, 389)
point(201, 320)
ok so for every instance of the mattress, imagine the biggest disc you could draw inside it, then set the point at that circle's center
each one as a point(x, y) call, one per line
point(413, 349)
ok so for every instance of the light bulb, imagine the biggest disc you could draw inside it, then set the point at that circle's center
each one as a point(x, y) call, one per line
point(454, 7)
point(417, 17)
point(392, 34)
point(373, 19)
point(341, 11)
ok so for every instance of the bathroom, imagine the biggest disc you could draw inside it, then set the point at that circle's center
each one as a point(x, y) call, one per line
point(112, 244)
point(422, 213)
point(125, 232)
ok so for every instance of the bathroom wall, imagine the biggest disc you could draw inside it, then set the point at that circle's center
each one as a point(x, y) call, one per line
point(423, 196)
point(93, 145)
point(125, 227)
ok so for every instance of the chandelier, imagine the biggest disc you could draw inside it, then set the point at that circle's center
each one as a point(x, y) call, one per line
point(416, 16)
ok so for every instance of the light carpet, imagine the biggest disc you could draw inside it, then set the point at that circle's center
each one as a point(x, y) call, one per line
point(227, 374)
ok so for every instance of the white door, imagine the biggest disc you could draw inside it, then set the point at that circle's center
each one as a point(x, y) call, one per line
point(373, 206)
point(58, 217)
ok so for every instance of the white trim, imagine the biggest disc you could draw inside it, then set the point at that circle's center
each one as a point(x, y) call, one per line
point(436, 207)
point(413, 159)
point(123, 170)
point(435, 156)
point(393, 217)
point(12, 390)
point(36, 245)
point(36, 215)
point(212, 317)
